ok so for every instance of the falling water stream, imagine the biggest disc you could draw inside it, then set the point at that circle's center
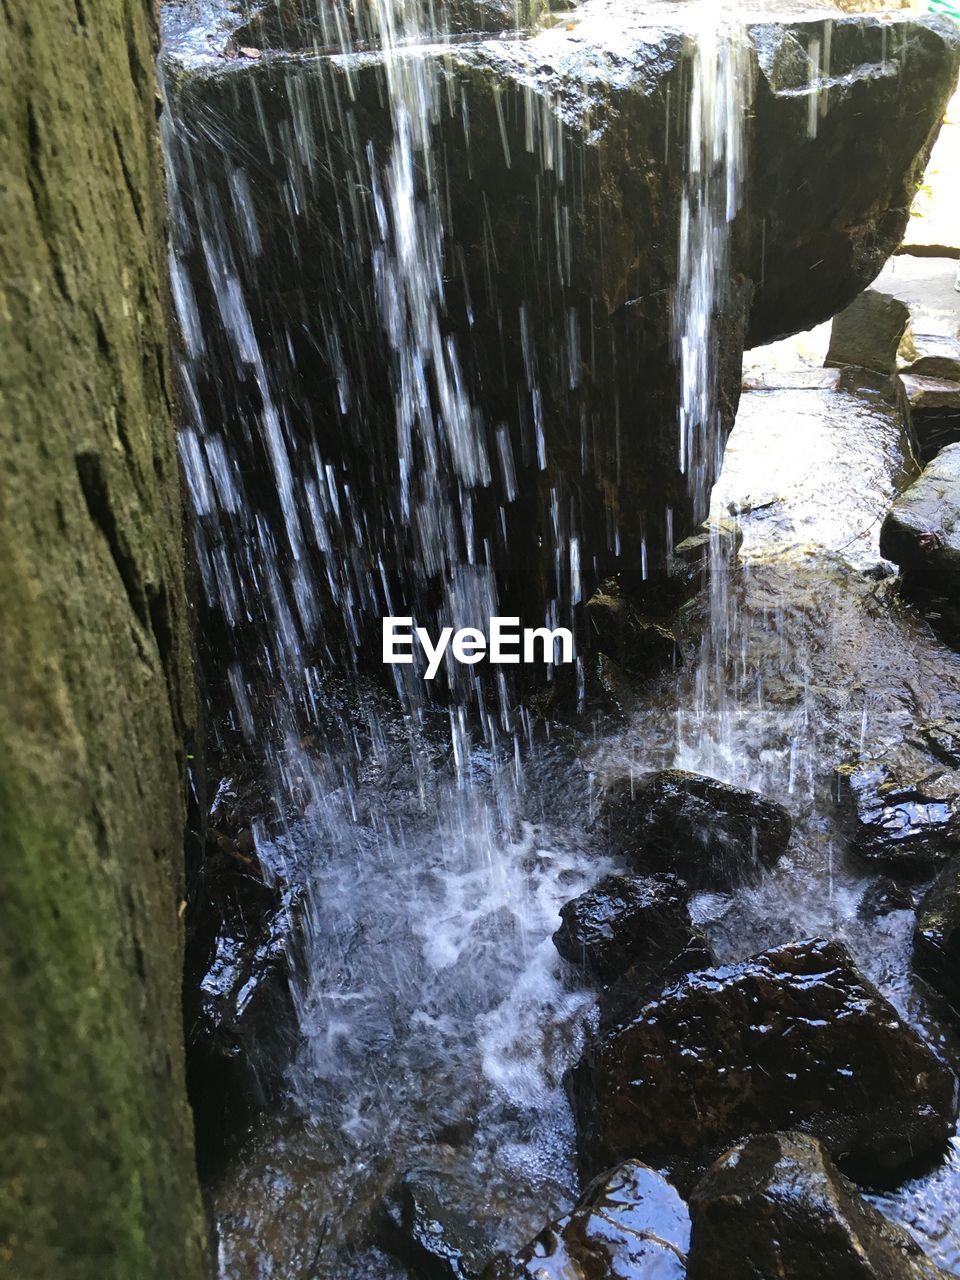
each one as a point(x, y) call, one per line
point(426, 848)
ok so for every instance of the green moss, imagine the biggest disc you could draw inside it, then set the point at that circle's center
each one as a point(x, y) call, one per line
point(96, 1169)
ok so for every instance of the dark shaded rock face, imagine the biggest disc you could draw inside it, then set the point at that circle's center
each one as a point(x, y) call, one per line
point(631, 922)
point(630, 1224)
point(616, 629)
point(558, 290)
point(921, 533)
point(713, 835)
point(776, 1206)
point(795, 1038)
point(908, 827)
point(239, 1013)
point(427, 1232)
point(936, 939)
point(883, 897)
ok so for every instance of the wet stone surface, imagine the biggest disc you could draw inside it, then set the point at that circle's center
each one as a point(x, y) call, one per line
point(795, 1037)
point(713, 834)
point(425, 1229)
point(910, 827)
point(775, 1205)
point(936, 941)
point(630, 1223)
point(631, 922)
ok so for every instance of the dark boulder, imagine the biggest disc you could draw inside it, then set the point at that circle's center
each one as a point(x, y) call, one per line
point(775, 1205)
point(629, 922)
point(936, 939)
point(712, 834)
point(427, 1230)
point(907, 826)
point(794, 1038)
point(630, 1224)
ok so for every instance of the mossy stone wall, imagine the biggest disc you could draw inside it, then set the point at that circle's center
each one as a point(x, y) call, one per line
point(97, 1175)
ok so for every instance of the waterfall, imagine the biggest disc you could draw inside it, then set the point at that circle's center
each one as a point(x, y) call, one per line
point(721, 86)
point(423, 899)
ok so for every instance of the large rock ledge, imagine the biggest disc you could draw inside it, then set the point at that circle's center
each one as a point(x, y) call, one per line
point(97, 1176)
point(562, 198)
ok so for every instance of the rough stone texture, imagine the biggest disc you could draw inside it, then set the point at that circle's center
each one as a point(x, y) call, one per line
point(241, 1025)
point(776, 1206)
point(427, 1231)
point(630, 1224)
point(868, 332)
point(616, 628)
point(559, 289)
point(921, 533)
point(908, 825)
point(936, 939)
point(712, 834)
point(933, 405)
point(627, 921)
point(795, 1038)
point(96, 698)
point(824, 225)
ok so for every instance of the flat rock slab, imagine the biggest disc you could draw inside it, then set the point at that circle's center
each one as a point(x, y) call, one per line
point(794, 1038)
point(712, 834)
point(868, 332)
point(631, 1224)
point(776, 1205)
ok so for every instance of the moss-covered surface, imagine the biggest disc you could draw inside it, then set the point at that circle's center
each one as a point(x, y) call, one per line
point(96, 1170)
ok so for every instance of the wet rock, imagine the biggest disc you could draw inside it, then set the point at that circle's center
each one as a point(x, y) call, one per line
point(630, 1223)
point(934, 412)
point(716, 543)
point(905, 825)
point(931, 355)
point(882, 897)
point(305, 24)
point(942, 738)
point(629, 922)
point(921, 533)
point(712, 834)
point(794, 1038)
point(775, 1205)
point(572, 131)
point(936, 939)
point(240, 1019)
point(616, 688)
point(428, 1232)
point(868, 332)
point(616, 628)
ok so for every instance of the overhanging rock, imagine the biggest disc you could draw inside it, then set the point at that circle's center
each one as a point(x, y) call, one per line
point(560, 156)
